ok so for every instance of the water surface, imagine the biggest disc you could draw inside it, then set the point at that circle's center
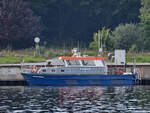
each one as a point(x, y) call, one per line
point(126, 99)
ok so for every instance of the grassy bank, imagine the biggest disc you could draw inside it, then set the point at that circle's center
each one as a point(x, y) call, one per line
point(140, 57)
point(29, 55)
point(11, 59)
point(19, 56)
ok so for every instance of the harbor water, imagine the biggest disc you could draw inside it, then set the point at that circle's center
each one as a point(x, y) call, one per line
point(123, 99)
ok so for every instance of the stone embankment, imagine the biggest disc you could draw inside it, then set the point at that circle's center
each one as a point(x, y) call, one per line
point(12, 72)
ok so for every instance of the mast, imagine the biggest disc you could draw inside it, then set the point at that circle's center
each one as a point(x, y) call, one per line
point(100, 48)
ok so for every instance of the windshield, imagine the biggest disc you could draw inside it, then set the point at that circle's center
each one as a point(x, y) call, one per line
point(85, 63)
point(73, 62)
point(88, 62)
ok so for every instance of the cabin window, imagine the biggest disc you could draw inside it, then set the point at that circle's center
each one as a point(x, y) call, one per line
point(62, 70)
point(73, 62)
point(68, 62)
point(44, 70)
point(99, 63)
point(53, 70)
point(83, 62)
point(88, 63)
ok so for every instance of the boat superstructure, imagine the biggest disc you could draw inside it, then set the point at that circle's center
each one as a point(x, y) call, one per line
point(78, 66)
point(78, 71)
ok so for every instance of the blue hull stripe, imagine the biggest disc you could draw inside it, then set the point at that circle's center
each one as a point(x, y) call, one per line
point(79, 80)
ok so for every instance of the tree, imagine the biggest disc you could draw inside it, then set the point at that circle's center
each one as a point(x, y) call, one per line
point(76, 20)
point(94, 44)
point(104, 37)
point(18, 24)
point(125, 36)
point(145, 22)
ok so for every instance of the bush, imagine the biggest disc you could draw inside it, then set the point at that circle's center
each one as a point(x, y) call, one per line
point(127, 36)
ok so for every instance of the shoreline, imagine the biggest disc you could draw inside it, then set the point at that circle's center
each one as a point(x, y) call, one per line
point(10, 74)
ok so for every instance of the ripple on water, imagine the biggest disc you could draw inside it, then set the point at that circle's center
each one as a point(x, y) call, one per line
point(74, 99)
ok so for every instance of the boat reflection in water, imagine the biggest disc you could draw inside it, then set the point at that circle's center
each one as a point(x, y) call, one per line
point(75, 99)
point(73, 94)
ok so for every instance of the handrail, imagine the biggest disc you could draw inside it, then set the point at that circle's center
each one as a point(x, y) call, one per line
point(83, 58)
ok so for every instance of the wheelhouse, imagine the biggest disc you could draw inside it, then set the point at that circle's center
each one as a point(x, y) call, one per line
point(84, 61)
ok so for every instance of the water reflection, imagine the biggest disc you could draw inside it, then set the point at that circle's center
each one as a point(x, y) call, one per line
point(75, 99)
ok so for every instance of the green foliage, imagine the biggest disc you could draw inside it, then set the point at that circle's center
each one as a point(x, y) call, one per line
point(63, 21)
point(145, 9)
point(33, 59)
point(12, 59)
point(145, 22)
point(104, 37)
point(42, 49)
point(18, 24)
point(94, 44)
point(133, 49)
point(66, 20)
point(126, 36)
point(140, 59)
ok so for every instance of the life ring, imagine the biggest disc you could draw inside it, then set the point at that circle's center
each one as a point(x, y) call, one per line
point(34, 69)
point(121, 70)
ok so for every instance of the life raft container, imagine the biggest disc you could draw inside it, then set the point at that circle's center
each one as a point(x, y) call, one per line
point(34, 69)
point(121, 70)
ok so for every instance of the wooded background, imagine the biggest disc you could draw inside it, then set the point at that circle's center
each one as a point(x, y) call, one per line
point(67, 22)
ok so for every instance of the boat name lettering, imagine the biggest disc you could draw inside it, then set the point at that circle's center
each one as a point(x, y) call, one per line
point(38, 76)
point(85, 69)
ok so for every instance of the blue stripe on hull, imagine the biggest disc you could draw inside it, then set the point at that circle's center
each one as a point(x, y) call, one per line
point(79, 80)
